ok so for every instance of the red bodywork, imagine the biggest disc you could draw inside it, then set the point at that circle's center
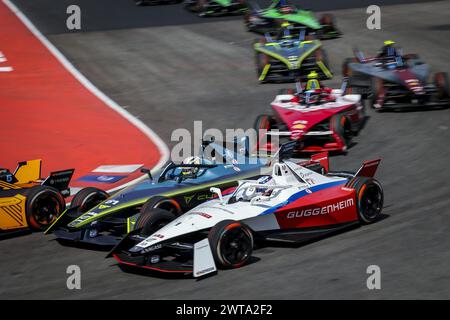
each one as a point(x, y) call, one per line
point(299, 123)
point(331, 206)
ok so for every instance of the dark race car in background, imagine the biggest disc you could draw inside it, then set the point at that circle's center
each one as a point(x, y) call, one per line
point(396, 82)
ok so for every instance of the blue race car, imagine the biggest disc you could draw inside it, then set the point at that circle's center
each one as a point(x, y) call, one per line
point(100, 219)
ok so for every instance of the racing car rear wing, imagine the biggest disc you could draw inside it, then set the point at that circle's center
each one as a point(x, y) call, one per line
point(368, 168)
point(322, 158)
point(60, 180)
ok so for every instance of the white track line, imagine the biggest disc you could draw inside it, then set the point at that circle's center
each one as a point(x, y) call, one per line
point(163, 149)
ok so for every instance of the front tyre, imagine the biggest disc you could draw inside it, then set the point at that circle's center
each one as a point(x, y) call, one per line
point(442, 86)
point(231, 244)
point(88, 198)
point(369, 199)
point(153, 219)
point(43, 205)
point(263, 124)
point(341, 126)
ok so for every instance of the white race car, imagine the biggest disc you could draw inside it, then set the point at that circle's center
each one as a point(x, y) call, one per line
point(293, 204)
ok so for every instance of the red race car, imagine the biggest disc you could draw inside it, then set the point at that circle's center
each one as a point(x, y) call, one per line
point(321, 119)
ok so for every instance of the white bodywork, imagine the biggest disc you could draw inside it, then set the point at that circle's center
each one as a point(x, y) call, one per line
point(284, 101)
point(287, 179)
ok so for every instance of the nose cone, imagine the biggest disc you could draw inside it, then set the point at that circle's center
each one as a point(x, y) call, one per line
point(201, 218)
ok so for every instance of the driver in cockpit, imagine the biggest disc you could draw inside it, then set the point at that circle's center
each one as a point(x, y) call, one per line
point(390, 54)
point(388, 50)
point(314, 92)
point(190, 171)
point(251, 192)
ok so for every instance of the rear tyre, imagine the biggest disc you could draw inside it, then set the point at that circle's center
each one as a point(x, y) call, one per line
point(43, 205)
point(376, 90)
point(231, 244)
point(327, 20)
point(340, 125)
point(369, 199)
point(441, 83)
point(328, 23)
point(263, 122)
point(151, 220)
point(88, 198)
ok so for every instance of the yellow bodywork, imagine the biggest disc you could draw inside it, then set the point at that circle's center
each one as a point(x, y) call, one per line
point(29, 171)
point(12, 212)
point(12, 206)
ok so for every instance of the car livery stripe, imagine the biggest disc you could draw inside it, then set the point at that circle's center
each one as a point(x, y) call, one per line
point(302, 193)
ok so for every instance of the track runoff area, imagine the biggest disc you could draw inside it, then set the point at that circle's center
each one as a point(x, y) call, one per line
point(50, 111)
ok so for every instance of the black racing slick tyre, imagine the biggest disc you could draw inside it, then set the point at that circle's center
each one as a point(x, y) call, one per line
point(263, 122)
point(151, 220)
point(341, 125)
point(441, 83)
point(88, 198)
point(43, 205)
point(231, 244)
point(369, 199)
point(163, 203)
point(376, 90)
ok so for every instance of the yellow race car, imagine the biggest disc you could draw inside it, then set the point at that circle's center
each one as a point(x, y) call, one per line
point(29, 202)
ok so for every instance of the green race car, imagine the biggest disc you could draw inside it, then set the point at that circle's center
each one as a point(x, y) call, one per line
point(211, 8)
point(289, 57)
point(270, 20)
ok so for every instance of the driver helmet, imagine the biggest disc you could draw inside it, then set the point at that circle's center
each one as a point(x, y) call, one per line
point(285, 27)
point(313, 83)
point(389, 48)
point(190, 170)
point(264, 180)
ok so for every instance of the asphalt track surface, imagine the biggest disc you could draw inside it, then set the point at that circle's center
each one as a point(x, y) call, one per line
point(170, 76)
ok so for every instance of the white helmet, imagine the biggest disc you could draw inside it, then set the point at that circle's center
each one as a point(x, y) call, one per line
point(191, 160)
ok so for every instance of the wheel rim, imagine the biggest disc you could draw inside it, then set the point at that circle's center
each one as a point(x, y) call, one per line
point(371, 202)
point(45, 209)
point(235, 246)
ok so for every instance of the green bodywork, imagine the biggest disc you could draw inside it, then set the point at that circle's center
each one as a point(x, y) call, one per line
point(274, 50)
point(223, 3)
point(303, 17)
